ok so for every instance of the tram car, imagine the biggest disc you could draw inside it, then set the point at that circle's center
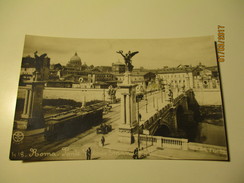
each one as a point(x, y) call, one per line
point(71, 123)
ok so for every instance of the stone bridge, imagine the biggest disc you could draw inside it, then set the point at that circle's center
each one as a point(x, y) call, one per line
point(177, 119)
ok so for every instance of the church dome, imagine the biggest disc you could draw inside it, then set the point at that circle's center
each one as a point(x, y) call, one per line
point(75, 61)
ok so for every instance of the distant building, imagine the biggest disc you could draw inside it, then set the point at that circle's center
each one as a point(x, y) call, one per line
point(205, 77)
point(118, 67)
point(101, 76)
point(140, 78)
point(104, 68)
point(59, 84)
point(74, 70)
point(102, 80)
point(96, 80)
point(188, 76)
point(74, 63)
point(177, 76)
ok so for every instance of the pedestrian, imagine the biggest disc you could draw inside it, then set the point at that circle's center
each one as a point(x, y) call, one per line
point(88, 153)
point(139, 116)
point(102, 140)
point(135, 155)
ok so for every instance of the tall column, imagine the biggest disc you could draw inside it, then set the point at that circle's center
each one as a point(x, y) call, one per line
point(122, 107)
point(128, 111)
point(25, 113)
point(32, 116)
point(29, 102)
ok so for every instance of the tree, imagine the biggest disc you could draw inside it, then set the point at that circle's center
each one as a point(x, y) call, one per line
point(58, 66)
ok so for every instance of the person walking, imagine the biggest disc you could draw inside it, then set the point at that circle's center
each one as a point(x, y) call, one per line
point(88, 153)
point(102, 140)
point(135, 155)
point(139, 116)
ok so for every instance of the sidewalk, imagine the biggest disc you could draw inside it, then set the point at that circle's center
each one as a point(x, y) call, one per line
point(154, 153)
point(115, 150)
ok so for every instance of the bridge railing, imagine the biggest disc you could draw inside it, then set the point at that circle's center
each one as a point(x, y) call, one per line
point(180, 144)
point(148, 123)
point(164, 142)
point(208, 148)
point(177, 99)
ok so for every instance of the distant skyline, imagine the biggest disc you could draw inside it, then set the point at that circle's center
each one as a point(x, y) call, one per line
point(153, 53)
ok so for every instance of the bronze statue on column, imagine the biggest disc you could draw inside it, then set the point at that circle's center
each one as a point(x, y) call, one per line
point(127, 58)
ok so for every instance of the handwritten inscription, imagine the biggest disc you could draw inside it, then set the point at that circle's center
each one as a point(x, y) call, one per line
point(35, 153)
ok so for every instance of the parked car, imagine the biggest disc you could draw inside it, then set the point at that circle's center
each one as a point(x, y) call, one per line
point(104, 129)
point(107, 108)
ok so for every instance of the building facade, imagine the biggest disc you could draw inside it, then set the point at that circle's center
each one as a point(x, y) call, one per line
point(206, 77)
point(178, 77)
point(187, 76)
point(143, 79)
point(118, 67)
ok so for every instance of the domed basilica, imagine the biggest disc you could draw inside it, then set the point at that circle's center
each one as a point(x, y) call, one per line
point(75, 62)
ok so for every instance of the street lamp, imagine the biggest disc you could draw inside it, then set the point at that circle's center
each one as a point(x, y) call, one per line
point(146, 101)
point(138, 99)
point(153, 101)
point(104, 96)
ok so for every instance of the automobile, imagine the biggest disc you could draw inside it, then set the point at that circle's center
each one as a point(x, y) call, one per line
point(104, 129)
point(107, 108)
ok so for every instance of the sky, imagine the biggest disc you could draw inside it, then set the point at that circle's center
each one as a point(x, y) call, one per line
point(153, 53)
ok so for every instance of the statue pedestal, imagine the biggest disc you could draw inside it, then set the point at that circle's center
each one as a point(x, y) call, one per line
point(21, 124)
point(126, 134)
point(128, 110)
point(32, 116)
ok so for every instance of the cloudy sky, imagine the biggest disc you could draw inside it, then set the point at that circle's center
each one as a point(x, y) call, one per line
point(153, 53)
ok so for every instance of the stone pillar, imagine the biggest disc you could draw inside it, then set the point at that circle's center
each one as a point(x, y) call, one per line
point(184, 144)
point(185, 102)
point(32, 116)
point(128, 111)
point(173, 118)
point(211, 83)
point(159, 142)
point(84, 100)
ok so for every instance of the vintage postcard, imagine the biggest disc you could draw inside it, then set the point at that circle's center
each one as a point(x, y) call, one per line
point(109, 99)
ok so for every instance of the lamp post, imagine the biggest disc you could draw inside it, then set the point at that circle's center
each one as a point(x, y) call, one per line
point(145, 93)
point(157, 103)
point(153, 101)
point(84, 98)
point(138, 113)
point(138, 99)
point(104, 96)
point(146, 101)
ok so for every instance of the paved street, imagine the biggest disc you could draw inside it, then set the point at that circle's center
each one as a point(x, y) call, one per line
point(76, 147)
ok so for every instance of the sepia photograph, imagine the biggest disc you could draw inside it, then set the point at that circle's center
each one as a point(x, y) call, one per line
point(119, 99)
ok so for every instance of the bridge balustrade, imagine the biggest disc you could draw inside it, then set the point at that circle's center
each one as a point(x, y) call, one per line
point(180, 144)
point(177, 99)
point(157, 116)
point(164, 142)
point(150, 123)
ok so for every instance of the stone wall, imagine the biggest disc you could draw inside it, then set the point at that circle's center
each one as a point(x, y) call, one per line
point(208, 148)
point(75, 94)
point(181, 144)
point(208, 96)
